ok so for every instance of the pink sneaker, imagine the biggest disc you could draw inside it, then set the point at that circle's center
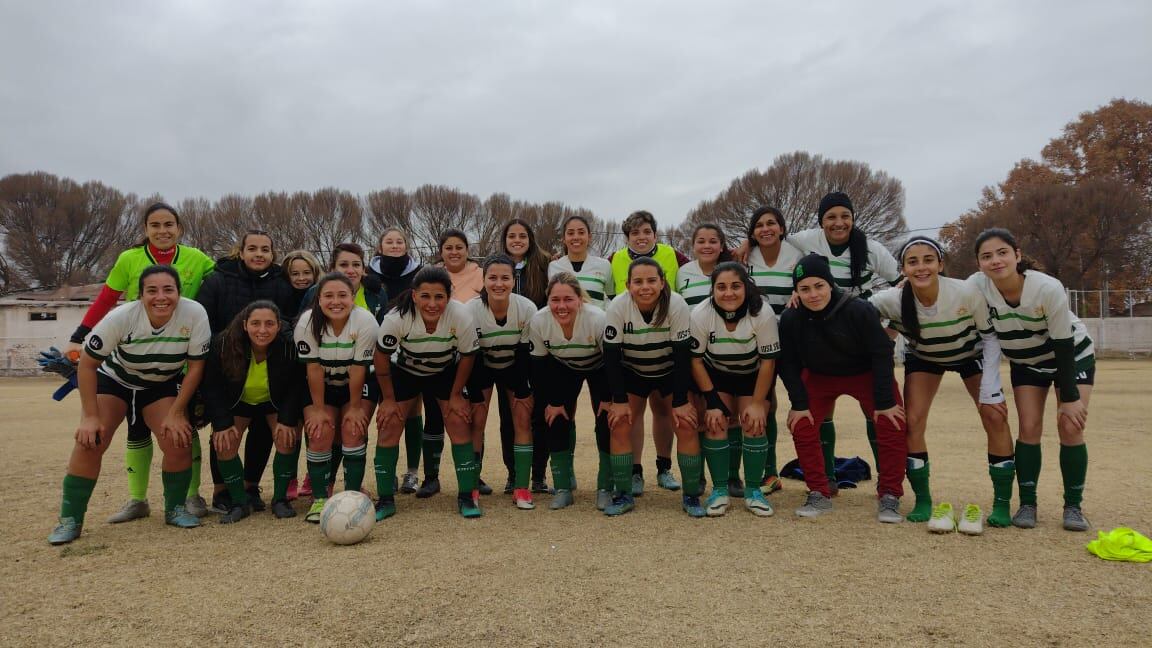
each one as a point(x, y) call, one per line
point(306, 487)
point(293, 489)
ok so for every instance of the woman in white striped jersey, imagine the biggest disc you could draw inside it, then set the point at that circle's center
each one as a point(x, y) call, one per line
point(434, 339)
point(735, 344)
point(501, 318)
point(1047, 346)
point(566, 343)
point(593, 272)
point(647, 336)
point(942, 319)
point(709, 247)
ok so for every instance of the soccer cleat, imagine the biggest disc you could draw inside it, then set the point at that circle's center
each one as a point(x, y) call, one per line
point(972, 523)
point(666, 480)
point(717, 502)
point(65, 532)
point(736, 487)
point(306, 487)
point(510, 485)
point(943, 519)
point(692, 506)
point(196, 505)
point(756, 503)
point(483, 487)
point(282, 509)
point(1025, 517)
point(621, 504)
point(180, 517)
point(221, 503)
point(385, 507)
point(410, 484)
point(888, 509)
point(469, 506)
point(1074, 519)
point(563, 499)
point(770, 485)
point(238, 512)
point(1001, 515)
point(254, 499)
point(522, 497)
point(314, 511)
point(430, 487)
point(603, 499)
point(133, 510)
point(815, 505)
point(541, 486)
point(637, 485)
point(293, 489)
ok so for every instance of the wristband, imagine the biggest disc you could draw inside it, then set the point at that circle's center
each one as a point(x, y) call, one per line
point(712, 398)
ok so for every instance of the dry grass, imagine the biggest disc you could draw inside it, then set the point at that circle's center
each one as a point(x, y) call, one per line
point(654, 577)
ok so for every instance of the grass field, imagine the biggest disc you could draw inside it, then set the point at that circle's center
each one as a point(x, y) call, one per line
point(574, 577)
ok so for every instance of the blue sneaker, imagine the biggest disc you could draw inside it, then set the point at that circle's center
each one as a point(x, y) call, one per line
point(718, 502)
point(180, 517)
point(621, 504)
point(65, 532)
point(469, 506)
point(692, 506)
point(385, 507)
point(756, 503)
point(666, 480)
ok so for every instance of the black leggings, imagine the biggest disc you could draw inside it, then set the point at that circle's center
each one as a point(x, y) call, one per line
point(568, 383)
point(258, 446)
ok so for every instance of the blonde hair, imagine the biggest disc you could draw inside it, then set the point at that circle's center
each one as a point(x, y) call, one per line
point(306, 257)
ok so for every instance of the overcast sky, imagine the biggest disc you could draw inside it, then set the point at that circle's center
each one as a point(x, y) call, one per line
point(614, 106)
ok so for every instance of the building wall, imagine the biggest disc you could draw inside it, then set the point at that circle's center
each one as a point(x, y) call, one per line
point(22, 337)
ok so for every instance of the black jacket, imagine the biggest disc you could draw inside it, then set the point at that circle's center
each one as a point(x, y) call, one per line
point(230, 289)
point(287, 383)
point(393, 282)
point(845, 339)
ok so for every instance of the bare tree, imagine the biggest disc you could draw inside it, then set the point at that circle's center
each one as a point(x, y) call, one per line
point(391, 207)
point(436, 208)
point(272, 212)
point(327, 217)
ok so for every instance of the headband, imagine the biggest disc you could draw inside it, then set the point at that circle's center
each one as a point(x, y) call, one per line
point(921, 241)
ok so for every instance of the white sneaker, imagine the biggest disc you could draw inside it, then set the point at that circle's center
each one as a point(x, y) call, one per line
point(943, 519)
point(717, 504)
point(973, 521)
point(888, 509)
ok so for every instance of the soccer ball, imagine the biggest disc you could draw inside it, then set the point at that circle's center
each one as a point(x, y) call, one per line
point(347, 517)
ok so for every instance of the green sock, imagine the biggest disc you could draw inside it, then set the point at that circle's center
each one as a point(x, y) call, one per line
point(716, 454)
point(691, 467)
point(622, 473)
point(175, 488)
point(433, 448)
point(138, 463)
point(295, 452)
point(413, 441)
point(828, 445)
point(319, 464)
point(1074, 470)
point(1027, 470)
point(918, 477)
point(770, 469)
point(385, 463)
point(735, 450)
point(194, 474)
point(355, 463)
point(571, 443)
point(522, 456)
point(870, 432)
point(561, 470)
point(77, 492)
point(283, 470)
point(755, 457)
point(232, 470)
point(1002, 477)
point(464, 457)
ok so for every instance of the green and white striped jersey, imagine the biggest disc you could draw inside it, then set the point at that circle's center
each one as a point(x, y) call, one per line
point(137, 355)
point(595, 277)
point(498, 342)
point(336, 353)
point(424, 353)
point(774, 281)
point(740, 351)
point(881, 271)
point(950, 328)
point(584, 351)
point(1026, 331)
point(692, 284)
point(646, 348)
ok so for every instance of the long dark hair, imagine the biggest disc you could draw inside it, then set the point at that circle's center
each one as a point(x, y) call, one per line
point(1026, 262)
point(564, 228)
point(235, 346)
point(498, 259)
point(661, 311)
point(319, 319)
point(857, 241)
point(725, 253)
point(534, 275)
point(776, 213)
point(351, 248)
point(909, 318)
point(405, 304)
point(155, 207)
point(752, 295)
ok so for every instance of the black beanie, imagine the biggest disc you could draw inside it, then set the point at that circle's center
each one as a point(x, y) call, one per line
point(813, 265)
point(834, 199)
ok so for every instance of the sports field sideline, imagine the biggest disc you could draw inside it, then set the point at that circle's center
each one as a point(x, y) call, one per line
point(574, 577)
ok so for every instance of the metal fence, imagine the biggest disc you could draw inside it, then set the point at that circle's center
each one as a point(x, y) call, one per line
point(1112, 303)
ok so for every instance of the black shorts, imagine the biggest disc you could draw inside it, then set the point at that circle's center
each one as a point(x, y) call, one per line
point(138, 399)
point(642, 386)
point(407, 385)
point(371, 389)
point(730, 383)
point(250, 411)
point(484, 377)
point(1023, 376)
point(966, 368)
point(333, 396)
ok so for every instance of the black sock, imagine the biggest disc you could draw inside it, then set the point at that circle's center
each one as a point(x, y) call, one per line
point(918, 455)
point(637, 469)
point(663, 464)
point(999, 459)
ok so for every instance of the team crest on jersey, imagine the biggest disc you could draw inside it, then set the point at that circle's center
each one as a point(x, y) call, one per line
point(452, 332)
point(962, 311)
point(95, 342)
point(302, 348)
point(695, 344)
point(185, 331)
point(610, 333)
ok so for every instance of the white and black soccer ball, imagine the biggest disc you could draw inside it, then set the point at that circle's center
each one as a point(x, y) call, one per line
point(347, 517)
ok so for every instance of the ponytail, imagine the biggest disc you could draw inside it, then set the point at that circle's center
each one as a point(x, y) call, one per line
point(858, 251)
point(909, 318)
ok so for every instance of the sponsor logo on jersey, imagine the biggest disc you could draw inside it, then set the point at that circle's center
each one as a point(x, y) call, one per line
point(95, 343)
point(610, 333)
point(390, 340)
point(302, 348)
